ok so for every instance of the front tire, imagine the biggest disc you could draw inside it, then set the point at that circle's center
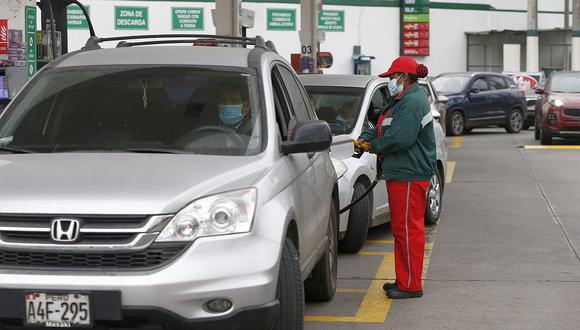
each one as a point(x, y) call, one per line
point(456, 124)
point(321, 286)
point(290, 289)
point(545, 139)
point(515, 121)
point(434, 200)
point(358, 222)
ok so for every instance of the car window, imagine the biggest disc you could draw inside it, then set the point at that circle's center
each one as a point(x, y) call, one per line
point(497, 83)
point(117, 108)
point(377, 102)
point(509, 82)
point(283, 109)
point(481, 84)
point(296, 96)
point(565, 83)
point(450, 84)
point(338, 106)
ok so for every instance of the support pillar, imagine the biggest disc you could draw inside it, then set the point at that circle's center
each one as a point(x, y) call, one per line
point(227, 17)
point(576, 36)
point(533, 49)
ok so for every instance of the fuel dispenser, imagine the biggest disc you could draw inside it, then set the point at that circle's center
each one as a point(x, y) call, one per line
point(362, 63)
point(28, 42)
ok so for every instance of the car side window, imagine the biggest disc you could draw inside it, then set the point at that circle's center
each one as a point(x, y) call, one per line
point(294, 93)
point(481, 84)
point(497, 83)
point(284, 114)
point(509, 82)
point(378, 100)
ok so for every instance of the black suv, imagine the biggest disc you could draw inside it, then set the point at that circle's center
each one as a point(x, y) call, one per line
point(480, 100)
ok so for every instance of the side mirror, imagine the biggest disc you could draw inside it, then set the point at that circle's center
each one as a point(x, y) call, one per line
point(307, 137)
point(540, 91)
point(473, 91)
point(442, 99)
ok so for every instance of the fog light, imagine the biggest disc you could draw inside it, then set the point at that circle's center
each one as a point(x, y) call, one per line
point(552, 119)
point(219, 305)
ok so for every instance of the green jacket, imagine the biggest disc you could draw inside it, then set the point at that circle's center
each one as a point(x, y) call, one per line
point(408, 141)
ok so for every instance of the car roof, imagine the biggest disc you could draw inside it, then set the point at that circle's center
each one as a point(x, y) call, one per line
point(159, 55)
point(338, 80)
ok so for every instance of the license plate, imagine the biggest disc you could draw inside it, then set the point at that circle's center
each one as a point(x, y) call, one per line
point(57, 310)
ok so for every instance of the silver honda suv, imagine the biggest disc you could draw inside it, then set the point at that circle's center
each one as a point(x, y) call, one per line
point(177, 186)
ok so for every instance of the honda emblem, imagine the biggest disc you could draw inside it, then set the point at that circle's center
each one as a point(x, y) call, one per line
point(65, 230)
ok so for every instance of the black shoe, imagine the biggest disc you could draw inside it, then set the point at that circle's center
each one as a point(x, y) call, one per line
point(397, 293)
point(389, 286)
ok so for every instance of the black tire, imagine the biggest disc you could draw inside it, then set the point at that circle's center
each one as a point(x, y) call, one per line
point(321, 285)
point(456, 123)
point(545, 139)
point(435, 196)
point(536, 132)
point(290, 290)
point(515, 121)
point(358, 222)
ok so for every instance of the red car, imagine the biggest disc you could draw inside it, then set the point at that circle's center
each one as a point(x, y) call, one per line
point(558, 108)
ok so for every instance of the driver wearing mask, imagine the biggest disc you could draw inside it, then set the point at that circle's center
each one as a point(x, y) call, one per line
point(234, 110)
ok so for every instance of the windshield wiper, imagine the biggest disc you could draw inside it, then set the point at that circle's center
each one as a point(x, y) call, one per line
point(15, 150)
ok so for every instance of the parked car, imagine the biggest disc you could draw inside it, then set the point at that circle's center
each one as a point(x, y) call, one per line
point(558, 107)
point(528, 82)
point(190, 190)
point(480, 100)
point(351, 103)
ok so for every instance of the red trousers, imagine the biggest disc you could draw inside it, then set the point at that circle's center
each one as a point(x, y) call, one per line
point(407, 202)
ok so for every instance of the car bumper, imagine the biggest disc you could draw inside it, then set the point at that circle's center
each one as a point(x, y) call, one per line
point(345, 194)
point(241, 268)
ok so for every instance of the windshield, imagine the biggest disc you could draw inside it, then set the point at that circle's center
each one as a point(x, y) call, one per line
point(566, 83)
point(450, 84)
point(338, 106)
point(114, 108)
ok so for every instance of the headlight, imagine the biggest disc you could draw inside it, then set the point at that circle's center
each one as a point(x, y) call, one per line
point(221, 214)
point(339, 167)
point(555, 101)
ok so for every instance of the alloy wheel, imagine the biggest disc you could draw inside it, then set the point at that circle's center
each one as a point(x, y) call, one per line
point(434, 195)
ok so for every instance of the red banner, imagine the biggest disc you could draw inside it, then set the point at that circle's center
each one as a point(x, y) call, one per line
point(416, 27)
point(416, 43)
point(415, 51)
point(3, 37)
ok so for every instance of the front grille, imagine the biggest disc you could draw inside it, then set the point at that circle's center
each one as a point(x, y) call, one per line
point(94, 230)
point(570, 129)
point(156, 255)
point(572, 112)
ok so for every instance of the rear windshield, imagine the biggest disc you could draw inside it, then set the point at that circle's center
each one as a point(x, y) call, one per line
point(137, 109)
point(566, 83)
point(450, 84)
point(338, 106)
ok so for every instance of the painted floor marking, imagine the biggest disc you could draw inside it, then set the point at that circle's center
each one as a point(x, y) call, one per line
point(456, 142)
point(450, 171)
point(539, 147)
point(375, 305)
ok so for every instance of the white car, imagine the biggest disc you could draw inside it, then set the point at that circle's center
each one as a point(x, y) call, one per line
point(351, 103)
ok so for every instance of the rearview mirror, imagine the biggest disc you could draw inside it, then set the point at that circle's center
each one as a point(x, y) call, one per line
point(442, 99)
point(473, 91)
point(540, 91)
point(307, 137)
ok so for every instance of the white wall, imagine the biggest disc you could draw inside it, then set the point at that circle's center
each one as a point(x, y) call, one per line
point(376, 29)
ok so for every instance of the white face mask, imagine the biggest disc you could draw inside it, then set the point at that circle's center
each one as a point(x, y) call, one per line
point(394, 87)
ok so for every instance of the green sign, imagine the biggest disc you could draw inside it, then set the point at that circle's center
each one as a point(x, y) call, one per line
point(331, 20)
point(30, 21)
point(75, 17)
point(416, 18)
point(131, 18)
point(408, 3)
point(187, 19)
point(281, 19)
point(416, 10)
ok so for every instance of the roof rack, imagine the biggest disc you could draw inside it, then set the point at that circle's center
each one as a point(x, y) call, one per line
point(258, 41)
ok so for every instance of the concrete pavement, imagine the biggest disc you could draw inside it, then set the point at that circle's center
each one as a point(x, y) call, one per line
point(506, 250)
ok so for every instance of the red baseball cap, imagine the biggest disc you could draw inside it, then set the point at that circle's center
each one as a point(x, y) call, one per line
point(405, 64)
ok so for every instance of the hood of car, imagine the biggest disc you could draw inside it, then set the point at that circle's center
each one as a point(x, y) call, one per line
point(570, 99)
point(117, 184)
